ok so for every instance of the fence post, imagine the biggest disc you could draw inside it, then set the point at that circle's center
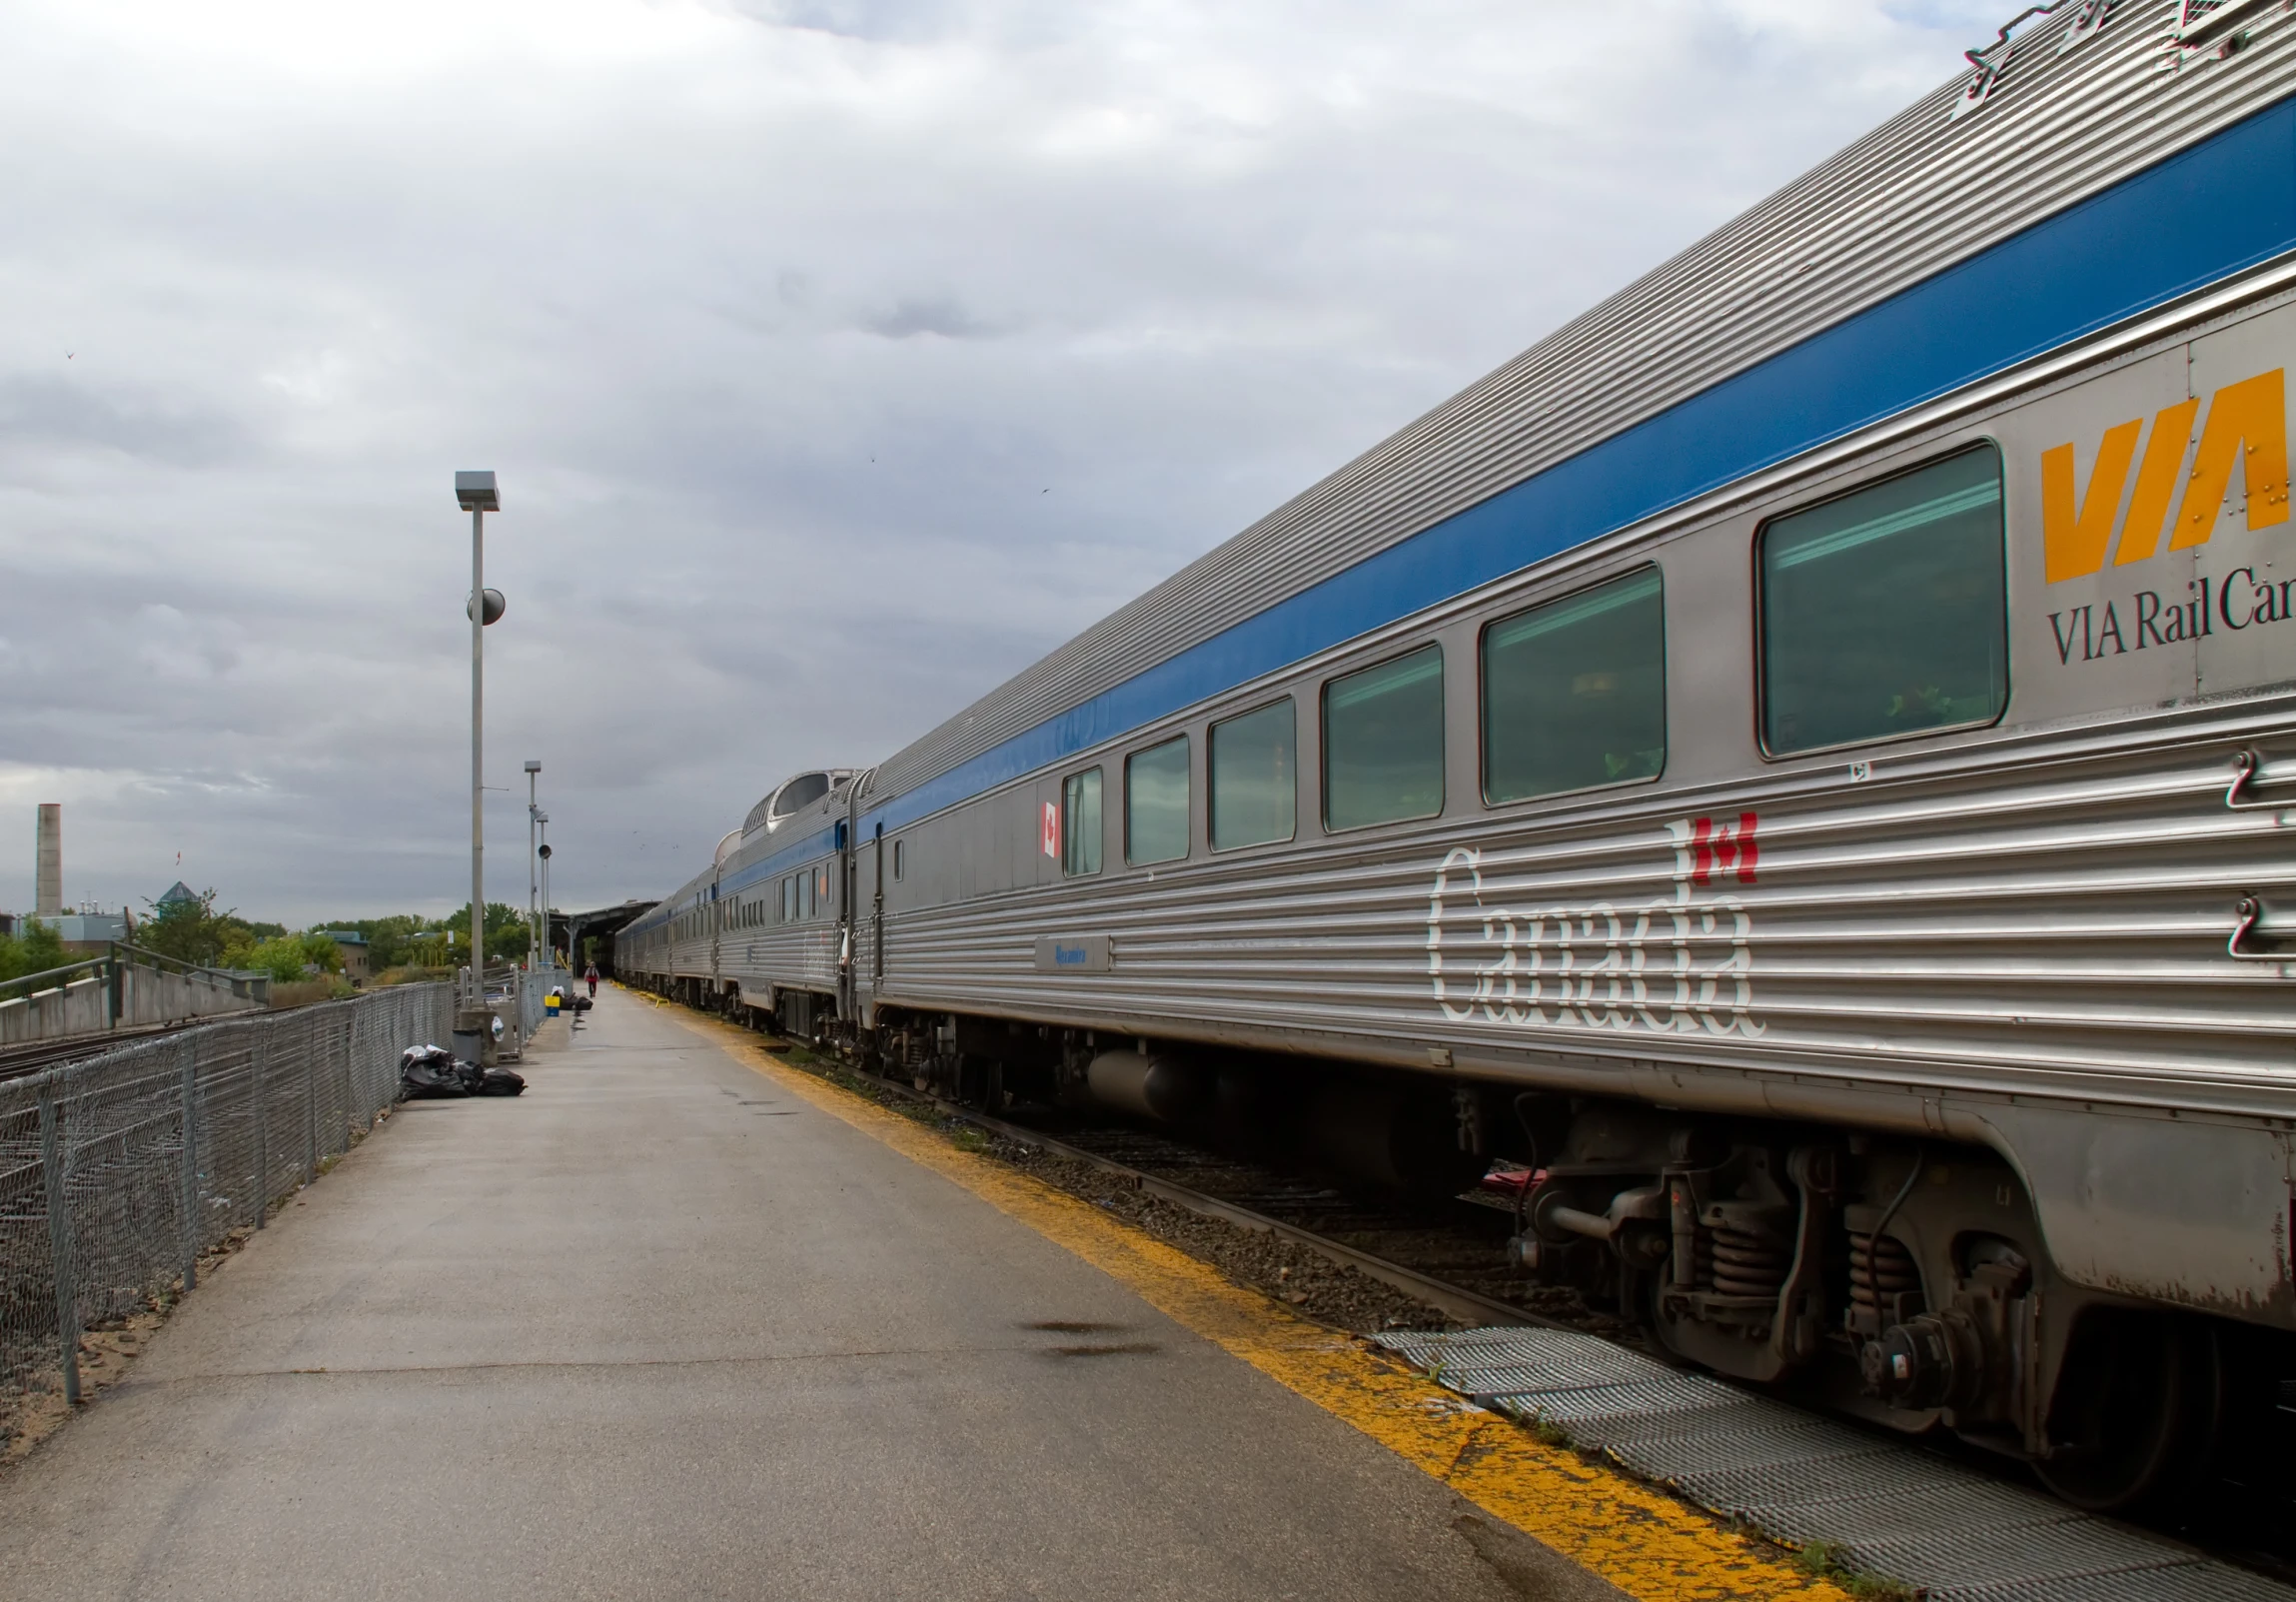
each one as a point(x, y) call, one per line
point(190, 1055)
point(262, 1134)
point(311, 1113)
point(60, 1246)
point(348, 1109)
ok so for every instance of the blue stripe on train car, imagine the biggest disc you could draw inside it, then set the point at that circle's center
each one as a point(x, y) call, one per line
point(816, 844)
point(2225, 205)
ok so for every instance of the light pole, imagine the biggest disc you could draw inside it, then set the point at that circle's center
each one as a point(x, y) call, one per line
point(474, 493)
point(533, 768)
point(543, 818)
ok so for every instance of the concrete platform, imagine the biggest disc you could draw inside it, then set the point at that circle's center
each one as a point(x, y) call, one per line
point(656, 1330)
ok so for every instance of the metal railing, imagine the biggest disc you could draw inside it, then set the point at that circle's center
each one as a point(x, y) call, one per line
point(533, 989)
point(117, 1171)
point(513, 995)
point(122, 955)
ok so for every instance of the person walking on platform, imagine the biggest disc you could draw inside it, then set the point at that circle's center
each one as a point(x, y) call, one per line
point(590, 977)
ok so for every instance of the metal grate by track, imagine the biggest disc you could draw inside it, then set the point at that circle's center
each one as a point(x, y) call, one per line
point(1920, 1518)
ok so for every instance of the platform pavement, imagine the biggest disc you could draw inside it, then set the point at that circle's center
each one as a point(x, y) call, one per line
point(657, 1329)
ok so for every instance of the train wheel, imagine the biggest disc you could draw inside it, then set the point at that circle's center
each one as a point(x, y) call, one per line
point(2138, 1406)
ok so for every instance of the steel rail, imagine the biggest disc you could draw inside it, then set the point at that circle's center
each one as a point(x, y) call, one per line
point(1466, 1306)
point(16, 1061)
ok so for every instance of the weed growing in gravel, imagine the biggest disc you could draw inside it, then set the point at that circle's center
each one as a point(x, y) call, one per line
point(969, 1139)
point(1822, 1560)
point(1549, 1433)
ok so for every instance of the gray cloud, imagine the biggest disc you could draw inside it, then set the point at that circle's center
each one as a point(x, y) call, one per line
point(937, 314)
point(40, 414)
point(838, 358)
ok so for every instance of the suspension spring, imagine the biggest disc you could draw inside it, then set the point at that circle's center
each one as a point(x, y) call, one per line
point(1746, 1264)
point(1880, 1268)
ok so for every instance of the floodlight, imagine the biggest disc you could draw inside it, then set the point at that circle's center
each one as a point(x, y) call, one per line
point(475, 492)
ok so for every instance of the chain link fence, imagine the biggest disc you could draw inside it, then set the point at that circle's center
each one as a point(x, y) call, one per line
point(117, 1171)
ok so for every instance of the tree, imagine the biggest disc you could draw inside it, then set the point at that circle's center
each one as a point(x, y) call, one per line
point(288, 957)
point(188, 931)
point(388, 939)
point(38, 949)
point(507, 933)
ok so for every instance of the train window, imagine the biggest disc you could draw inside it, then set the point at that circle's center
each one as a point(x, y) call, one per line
point(1253, 778)
point(1080, 828)
point(788, 900)
point(1575, 691)
point(821, 888)
point(1156, 802)
point(802, 791)
point(1883, 610)
point(1382, 741)
point(898, 858)
point(804, 896)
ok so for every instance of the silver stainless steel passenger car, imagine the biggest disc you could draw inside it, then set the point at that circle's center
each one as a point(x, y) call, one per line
point(1805, 756)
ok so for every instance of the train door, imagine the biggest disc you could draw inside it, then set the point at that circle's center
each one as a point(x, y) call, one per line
point(846, 1007)
point(878, 917)
point(717, 938)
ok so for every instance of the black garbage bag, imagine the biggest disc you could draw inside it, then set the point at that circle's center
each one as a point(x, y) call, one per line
point(477, 1081)
point(499, 1081)
point(429, 1073)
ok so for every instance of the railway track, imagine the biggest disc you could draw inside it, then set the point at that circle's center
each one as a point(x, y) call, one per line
point(1939, 1509)
point(16, 1061)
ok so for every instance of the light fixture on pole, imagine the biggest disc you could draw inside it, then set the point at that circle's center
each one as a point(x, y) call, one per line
point(533, 768)
point(475, 494)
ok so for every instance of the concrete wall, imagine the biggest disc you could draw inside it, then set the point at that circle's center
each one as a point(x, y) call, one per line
point(147, 997)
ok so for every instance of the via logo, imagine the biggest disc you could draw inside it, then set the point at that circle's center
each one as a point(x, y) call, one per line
point(2246, 429)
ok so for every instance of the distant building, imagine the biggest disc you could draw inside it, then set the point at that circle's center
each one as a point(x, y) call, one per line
point(178, 891)
point(353, 946)
point(89, 932)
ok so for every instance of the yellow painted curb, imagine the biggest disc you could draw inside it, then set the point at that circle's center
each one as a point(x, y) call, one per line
point(1646, 1543)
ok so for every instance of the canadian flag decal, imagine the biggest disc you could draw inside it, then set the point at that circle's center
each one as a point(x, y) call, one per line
point(1051, 831)
point(1717, 849)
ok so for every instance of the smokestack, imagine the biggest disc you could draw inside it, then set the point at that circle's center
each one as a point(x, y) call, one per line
point(48, 890)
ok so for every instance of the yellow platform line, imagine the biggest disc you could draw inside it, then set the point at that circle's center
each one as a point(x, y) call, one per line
point(1641, 1540)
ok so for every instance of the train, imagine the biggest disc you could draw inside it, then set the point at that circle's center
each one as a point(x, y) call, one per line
point(1801, 761)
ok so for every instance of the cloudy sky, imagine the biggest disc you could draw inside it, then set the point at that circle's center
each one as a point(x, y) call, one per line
point(838, 358)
